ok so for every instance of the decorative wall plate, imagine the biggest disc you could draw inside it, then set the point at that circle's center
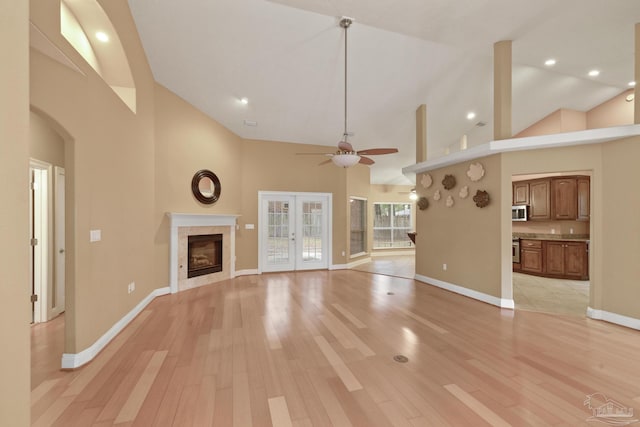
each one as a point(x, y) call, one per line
point(437, 195)
point(475, 172)
point(464, 192)
point(426, 180)
point(449, 201)
point(481, 198)
point(422, 203)
point(449, 182)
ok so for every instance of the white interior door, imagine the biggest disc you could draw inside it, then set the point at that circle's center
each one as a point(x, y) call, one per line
point(39, 216)
point(58, 302)
point(294, 231)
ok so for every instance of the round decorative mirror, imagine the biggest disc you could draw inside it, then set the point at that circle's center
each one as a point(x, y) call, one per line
point(205, 186)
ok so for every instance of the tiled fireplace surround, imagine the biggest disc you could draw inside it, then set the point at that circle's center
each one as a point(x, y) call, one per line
point(184, 225)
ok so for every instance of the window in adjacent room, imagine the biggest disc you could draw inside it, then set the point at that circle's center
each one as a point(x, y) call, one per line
point(358, 226)
point(391, 223)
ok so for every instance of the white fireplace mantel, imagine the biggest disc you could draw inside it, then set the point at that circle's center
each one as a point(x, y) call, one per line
point(178, 220)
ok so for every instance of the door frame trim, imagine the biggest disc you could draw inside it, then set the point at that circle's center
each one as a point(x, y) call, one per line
point(329, 196)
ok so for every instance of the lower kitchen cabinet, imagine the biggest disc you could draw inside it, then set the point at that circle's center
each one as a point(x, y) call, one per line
point(555, 258)
point(567, 259)
point(531, 256)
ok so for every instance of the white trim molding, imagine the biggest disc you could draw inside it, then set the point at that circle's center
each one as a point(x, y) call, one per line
point(76, 360)
point(618, 319)
point(566, 139)
point(489, 299)
point(197, 220)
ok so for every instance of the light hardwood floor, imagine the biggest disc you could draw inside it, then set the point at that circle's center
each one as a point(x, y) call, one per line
point(317, 349)
point(393, 265)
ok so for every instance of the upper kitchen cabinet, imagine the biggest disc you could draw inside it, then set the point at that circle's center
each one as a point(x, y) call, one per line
point(565, 198)
point(554, 199)
point(584, 207)
point(540, 200)
point(521, 193)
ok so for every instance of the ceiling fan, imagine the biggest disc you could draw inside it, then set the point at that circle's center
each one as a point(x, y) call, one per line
point(346, 156)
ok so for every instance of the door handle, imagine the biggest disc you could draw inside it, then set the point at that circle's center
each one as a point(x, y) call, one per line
point(61, 251)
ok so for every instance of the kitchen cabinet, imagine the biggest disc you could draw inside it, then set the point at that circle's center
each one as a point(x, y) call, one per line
point(584, 206)
point(554, 199)
point(531, 256)
point(521, 193)
point(540, 200)
point(565, 198)
point(566, 259)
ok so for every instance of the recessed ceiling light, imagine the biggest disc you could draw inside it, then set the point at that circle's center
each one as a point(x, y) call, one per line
point(244, 101)
point(632, 84)
point(550, 62)
point(594, 73)
point(471, 115)
point(102, 36)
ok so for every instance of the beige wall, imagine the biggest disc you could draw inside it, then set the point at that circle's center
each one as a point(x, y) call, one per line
point(621, 228)
point(110, 176)
point(186, 142)
point(464, 237)
point(45, 143)
point(615, 112)
point(274, 166)
point(14, 227)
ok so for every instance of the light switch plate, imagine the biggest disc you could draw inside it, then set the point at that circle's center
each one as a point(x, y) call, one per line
point(249, 226)
point(95, 235)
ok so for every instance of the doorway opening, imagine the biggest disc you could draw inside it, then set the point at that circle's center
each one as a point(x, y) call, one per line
point(551, 242)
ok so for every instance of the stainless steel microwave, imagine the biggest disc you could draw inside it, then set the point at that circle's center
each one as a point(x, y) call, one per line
point(519, 213)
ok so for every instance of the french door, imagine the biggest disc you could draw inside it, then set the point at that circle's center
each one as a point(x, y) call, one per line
point(294, 231)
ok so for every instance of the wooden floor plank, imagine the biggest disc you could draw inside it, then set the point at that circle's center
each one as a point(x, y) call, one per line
point(316, 348)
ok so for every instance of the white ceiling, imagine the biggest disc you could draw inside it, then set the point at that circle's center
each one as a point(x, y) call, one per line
point(286, 57)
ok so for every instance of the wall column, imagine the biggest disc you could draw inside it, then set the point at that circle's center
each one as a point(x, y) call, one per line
point(636, 100)
point(15, 387)
point(502, 90)
point(421, 133)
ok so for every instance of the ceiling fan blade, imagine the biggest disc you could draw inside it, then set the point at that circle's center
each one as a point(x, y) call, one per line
point(377, 151)
point(324, 163)
point(366, 161)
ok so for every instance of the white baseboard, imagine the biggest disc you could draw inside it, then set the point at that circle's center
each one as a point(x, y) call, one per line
point(403, 252)
point(618, 319)
point(338, 266)
point(249, 272)
point(75, 360)
point(489, 299)
point(359, 262)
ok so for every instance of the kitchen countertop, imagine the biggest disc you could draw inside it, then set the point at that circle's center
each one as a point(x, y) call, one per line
point(567, 237)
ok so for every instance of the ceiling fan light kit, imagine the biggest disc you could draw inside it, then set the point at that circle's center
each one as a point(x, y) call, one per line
point(345, 160)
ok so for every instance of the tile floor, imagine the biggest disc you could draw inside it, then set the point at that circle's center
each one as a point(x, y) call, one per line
point(542, 294)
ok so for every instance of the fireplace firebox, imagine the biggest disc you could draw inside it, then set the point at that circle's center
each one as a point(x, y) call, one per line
point(205, 254)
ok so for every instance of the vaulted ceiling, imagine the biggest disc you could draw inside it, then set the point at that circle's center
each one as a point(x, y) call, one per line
point(287, 58)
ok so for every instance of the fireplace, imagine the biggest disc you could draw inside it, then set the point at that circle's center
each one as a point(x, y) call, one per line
point(204, 254)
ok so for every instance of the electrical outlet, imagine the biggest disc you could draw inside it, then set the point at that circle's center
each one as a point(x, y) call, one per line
point(444, 267)
point(571, 231)
point(343, 253)
point(553, 231)
point(131, 287)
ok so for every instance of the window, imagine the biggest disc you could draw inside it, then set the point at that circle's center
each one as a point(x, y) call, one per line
point(358, 226)
point(391, 223)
